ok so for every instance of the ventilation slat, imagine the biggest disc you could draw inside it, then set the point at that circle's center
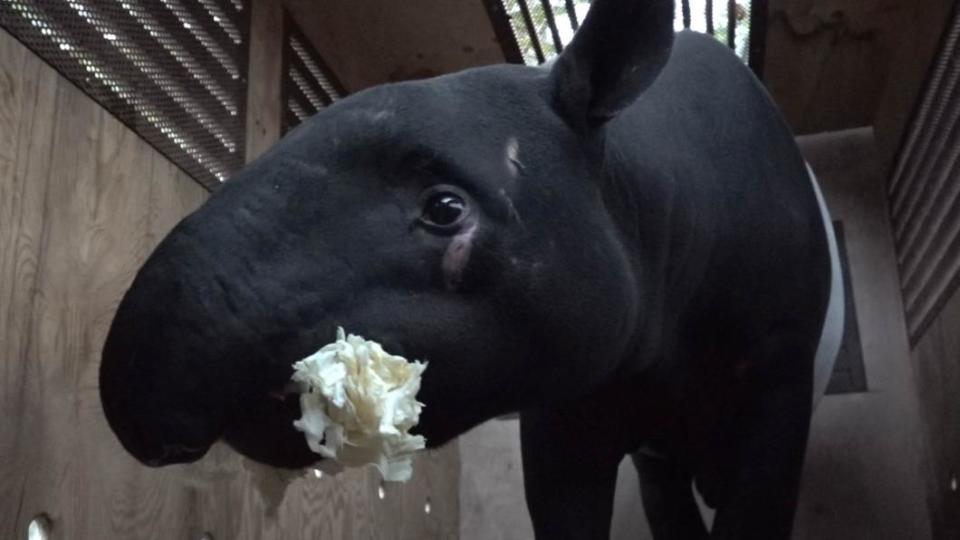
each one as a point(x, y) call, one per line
point(312, 96)
point(120, 53)
point(308, 83)
point(313, 74)
point(205, 30)
point(939, 195)
point(927, 302)
point(924, 192)
point(708, 15)
point(141, 61)
point(935, 256)
point(921, 122)
point(931, 144)
point(226, 17)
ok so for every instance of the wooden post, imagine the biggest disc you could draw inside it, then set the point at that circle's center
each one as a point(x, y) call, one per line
point(264, 76)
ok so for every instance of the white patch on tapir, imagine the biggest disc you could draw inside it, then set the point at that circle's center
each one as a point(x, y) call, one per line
point(457, 256)
point(511, 155)
point(379, 116)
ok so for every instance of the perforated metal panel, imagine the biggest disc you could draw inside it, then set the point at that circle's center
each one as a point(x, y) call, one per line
point(308, 83)
point(538, 30)
point(172, 70)
point(924, 192)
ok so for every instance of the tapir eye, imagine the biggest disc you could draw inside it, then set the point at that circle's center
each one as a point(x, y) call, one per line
point(443, 208)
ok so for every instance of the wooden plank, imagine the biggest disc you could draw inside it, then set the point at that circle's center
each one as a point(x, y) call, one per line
point(31, 98)
point(732, 23)
point(938, 376)
point(264, 105)
point(708, 14)
point(83, 201)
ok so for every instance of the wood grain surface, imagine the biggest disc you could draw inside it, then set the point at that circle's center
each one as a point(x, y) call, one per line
point(937, 360)
point(264, 73)
point(83, 200)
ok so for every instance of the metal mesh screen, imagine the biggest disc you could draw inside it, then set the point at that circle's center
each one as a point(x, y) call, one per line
point(308, 83)
point(924, 192)
point(174, 71)
point(541, 28)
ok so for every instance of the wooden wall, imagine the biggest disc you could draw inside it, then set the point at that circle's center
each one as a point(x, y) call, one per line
point(838, 64)
point(83, 200)
point(397, 40)
point(936, 358)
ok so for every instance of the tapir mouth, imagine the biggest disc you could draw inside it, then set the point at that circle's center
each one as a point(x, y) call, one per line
point(173, 383)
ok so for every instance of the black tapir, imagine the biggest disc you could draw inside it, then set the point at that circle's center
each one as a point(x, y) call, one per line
point(624, 246)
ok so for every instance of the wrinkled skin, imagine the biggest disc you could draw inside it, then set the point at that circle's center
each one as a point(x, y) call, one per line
point(639, 264)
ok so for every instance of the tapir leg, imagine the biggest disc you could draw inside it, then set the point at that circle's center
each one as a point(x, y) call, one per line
point(772, 436)
point(569, 476)
point(667, 490)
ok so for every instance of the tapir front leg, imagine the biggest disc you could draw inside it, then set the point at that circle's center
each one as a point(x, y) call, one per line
point(569, 474)
point(666, 487)
point(774, 423)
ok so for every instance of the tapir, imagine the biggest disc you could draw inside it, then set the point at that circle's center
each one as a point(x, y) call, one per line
point(625, 246)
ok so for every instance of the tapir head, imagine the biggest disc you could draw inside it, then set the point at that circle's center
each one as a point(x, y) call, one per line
point(459, 220)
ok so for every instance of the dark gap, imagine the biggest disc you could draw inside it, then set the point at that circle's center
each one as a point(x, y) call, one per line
point(290, 92)
point(92, 45)
point(709, 14)
point(731, 23)
point(214, 30)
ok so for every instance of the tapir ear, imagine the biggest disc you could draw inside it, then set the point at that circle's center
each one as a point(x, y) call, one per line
point(615, 55)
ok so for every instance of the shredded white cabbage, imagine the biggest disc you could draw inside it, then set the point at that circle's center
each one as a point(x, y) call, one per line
point(359, 404)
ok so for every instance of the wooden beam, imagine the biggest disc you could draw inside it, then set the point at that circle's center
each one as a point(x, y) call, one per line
point(572, 14)
point(264, 75)
point(758, 37)
point(709, 15)
point(501, 27)
point(532, 30)
point(731, 23)
point(552, 23)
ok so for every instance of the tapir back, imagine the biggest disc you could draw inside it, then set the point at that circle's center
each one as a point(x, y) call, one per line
point(710, 187)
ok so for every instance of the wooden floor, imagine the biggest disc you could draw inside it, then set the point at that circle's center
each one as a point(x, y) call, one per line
point(82, 202)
